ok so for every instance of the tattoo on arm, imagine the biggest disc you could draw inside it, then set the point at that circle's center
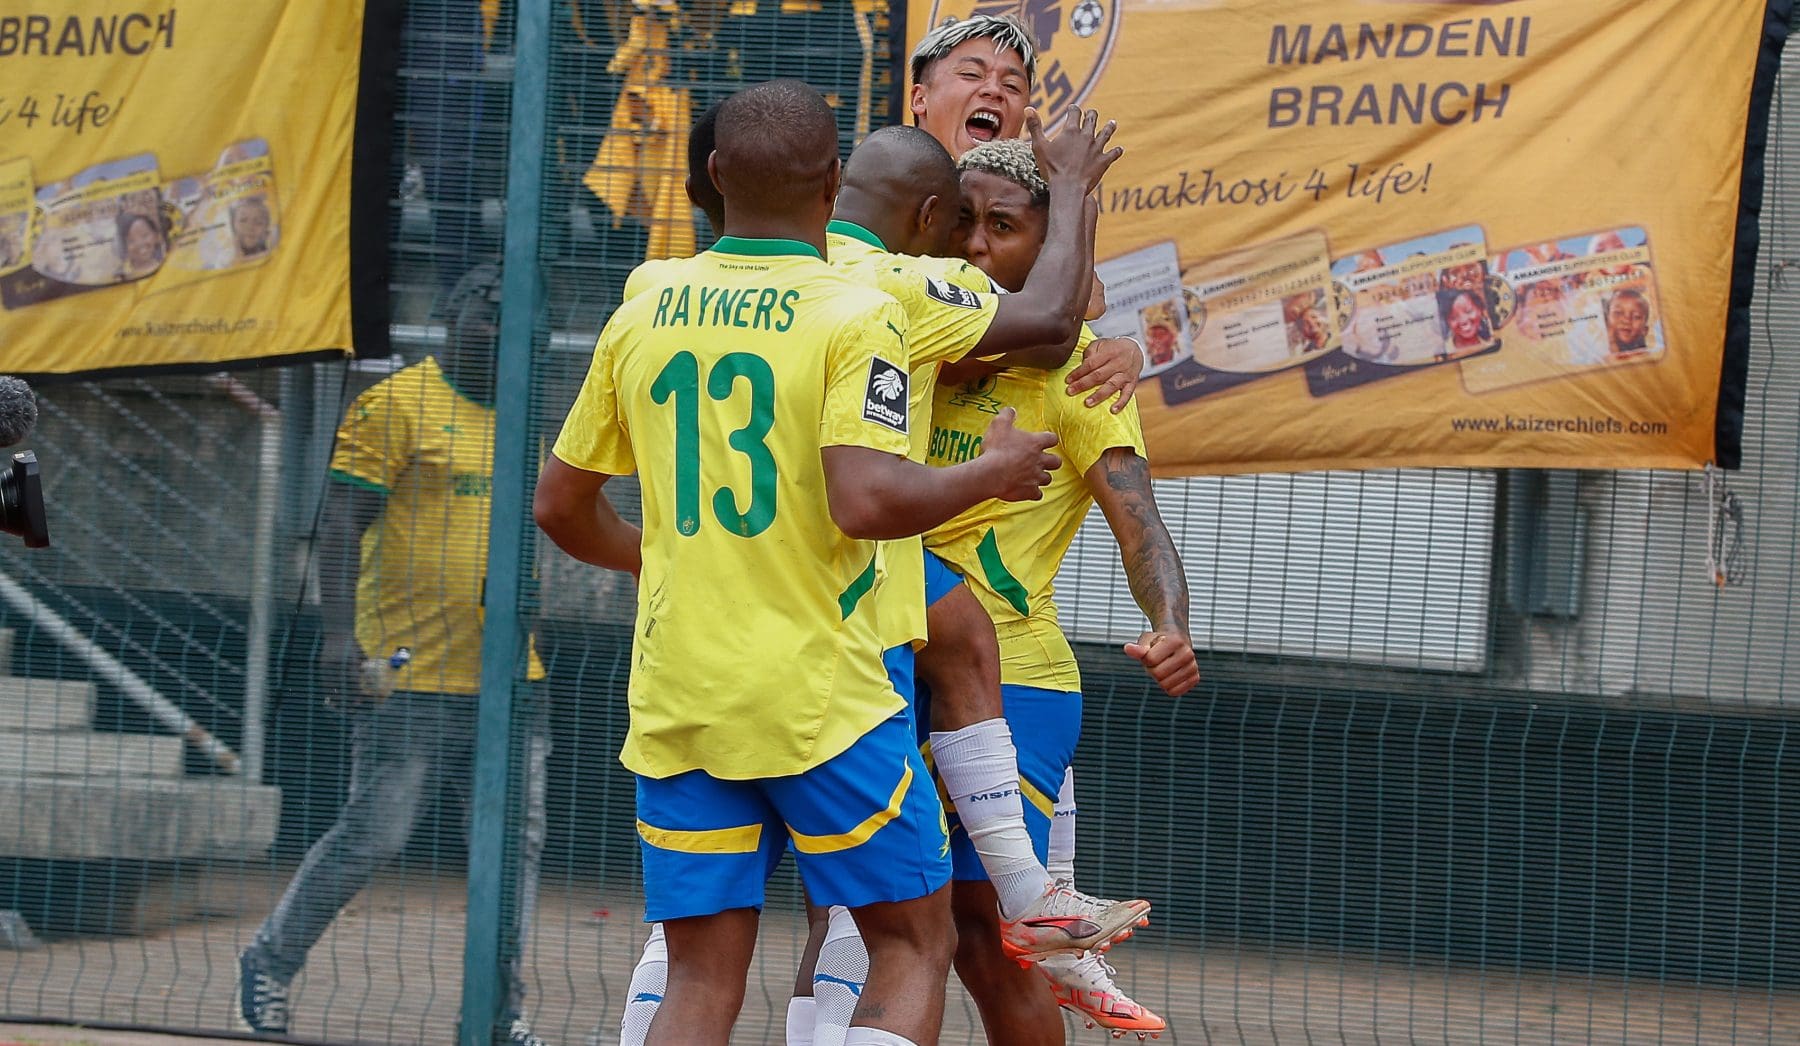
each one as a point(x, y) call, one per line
point(1151, 565)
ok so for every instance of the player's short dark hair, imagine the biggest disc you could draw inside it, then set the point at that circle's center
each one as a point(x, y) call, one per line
point(902, 154)
point(702, 140)
point(776, 146)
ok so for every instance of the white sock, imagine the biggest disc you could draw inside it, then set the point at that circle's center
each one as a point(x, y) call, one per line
point(838, 979)
point(644, 996)
point(1061, 865)
point(980, 769)
point(802, 1015)
point(876, 1037)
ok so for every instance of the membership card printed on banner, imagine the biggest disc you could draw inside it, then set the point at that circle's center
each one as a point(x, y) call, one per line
point(1412, 305)
point(223, 220)
point(102, 227)
point(1254, 312)
point(1144, 303)
point(1580, 304)
point(17, 209)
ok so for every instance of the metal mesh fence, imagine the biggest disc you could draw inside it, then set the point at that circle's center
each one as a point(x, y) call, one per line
point(1477, 755)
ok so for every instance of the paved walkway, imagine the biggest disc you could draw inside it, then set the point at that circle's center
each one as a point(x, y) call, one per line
point(390, 971)
point(52, 1035)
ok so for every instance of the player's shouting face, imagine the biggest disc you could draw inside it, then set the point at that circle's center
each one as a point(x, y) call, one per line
point(975, 93)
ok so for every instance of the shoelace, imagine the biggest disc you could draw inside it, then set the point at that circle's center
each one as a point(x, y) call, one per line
point(1073, 899)
point(269, 999)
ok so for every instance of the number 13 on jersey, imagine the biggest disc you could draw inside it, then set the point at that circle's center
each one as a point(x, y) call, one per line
point(680, 381)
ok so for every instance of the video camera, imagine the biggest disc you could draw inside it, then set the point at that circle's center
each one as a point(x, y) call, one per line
point(21, 491)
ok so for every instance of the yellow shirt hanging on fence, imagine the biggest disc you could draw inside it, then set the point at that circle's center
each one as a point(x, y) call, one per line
point(429, 450)
point(641, 168)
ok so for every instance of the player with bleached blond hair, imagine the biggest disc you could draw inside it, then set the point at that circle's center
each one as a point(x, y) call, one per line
point(971, 83)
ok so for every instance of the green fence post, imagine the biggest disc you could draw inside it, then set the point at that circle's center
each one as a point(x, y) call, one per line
point(491, 844)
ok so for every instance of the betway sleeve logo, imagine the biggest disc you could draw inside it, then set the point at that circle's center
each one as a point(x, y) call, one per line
point(884, 401)
point(951, 294)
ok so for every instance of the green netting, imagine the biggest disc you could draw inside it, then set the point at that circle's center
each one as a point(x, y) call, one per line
point(1477, 755)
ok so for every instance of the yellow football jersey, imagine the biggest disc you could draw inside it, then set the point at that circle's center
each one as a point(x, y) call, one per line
point(755, 652)
point(646, 274)
point(1009, 551)
point(949, 305)
point(430, 450)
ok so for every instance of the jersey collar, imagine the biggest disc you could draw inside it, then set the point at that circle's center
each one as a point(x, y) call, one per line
point(748, 246)
point(856, 232)
point(444, 376)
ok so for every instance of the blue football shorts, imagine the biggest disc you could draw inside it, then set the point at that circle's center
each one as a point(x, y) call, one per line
point(865, 826)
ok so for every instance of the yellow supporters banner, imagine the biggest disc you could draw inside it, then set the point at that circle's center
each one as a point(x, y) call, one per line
point(174, 181)
point(1362, 233)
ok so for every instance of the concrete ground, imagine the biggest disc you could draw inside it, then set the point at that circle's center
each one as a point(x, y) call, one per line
point(52, 1035)
point(389, 971)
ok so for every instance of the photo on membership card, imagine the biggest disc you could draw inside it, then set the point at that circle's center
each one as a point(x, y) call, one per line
point(17, 207)
point(102, 227)
point(1413, 304)
point(1143, 303)
point(223, 220)
point(1579, 304)
point(1254, 312)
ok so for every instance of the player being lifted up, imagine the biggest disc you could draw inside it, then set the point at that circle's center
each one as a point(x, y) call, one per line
point(1010, 555)
point(968, 76)
point(764, 394)
point(895, 219)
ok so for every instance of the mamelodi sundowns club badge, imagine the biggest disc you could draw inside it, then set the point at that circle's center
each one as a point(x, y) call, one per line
point(1075, 40)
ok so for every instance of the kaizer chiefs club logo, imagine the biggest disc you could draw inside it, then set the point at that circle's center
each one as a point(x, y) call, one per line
point(1075, 41)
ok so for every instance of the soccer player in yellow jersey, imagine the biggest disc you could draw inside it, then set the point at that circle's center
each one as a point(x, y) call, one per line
point(971, 81)
point(892, 225)
point(402, 558)
point(760, 395)
point(1011, 557)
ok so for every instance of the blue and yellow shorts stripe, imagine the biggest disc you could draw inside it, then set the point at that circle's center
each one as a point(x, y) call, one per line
point(866, 827)
point(940, 579)
point(1045, 724)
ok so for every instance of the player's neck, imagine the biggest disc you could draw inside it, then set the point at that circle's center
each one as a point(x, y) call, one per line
point(858, 209)
point(755, 227)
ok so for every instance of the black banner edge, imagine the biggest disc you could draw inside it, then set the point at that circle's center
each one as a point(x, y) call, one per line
point(1734, 371)
point(163, 370)
point(377, 96)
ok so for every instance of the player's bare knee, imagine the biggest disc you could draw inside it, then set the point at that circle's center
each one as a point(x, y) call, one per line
point(961, 631)
point(960, 662)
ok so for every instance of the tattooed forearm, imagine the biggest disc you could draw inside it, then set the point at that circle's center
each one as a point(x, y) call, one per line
point(1151, 565)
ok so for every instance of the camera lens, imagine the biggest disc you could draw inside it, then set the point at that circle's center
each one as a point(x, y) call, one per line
point(22, 501)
